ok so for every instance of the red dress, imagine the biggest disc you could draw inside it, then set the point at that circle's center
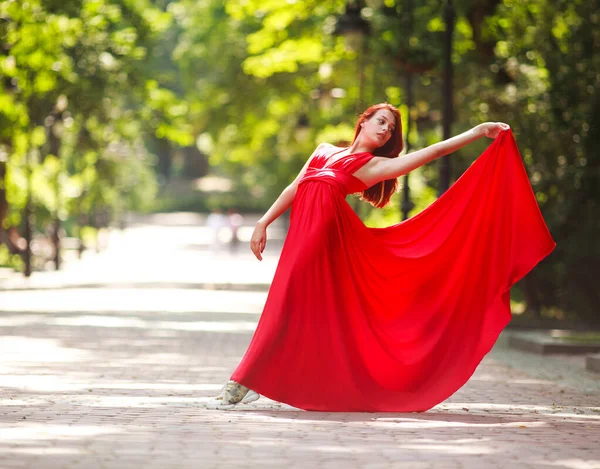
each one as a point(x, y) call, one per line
point(398, 318)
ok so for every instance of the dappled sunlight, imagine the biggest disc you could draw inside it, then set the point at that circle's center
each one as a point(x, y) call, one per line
point(339, 449)
point(158, 259)
point(42, 451)
point(432, 423)
point(83, 382)
point(76, 385)
point(591, 413)
point(39, 431)
point(44, 383)
point(55, 384)
point(162, 333)
point(138, 322)
point(74, 370)
point(455, 447)
point(161, 300)
point(112, 321)
point(132, 402)
point(573, 463)
point(147, 386)
point(27, 349)
point(450, 448)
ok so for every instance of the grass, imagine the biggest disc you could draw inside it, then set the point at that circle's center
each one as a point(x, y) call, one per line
point(583, 338)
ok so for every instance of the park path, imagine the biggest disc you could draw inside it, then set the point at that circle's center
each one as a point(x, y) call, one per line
point(108, 364)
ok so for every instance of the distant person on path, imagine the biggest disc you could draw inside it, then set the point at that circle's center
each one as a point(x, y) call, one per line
point(389, 319)
point(235, 222)
point(216, 221)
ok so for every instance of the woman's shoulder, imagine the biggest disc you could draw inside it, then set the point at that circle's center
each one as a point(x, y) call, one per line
point(325, 146)
point(327, 149)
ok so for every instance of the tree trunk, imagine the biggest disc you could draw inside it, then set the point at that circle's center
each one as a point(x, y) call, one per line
point(531, 293)
point(28, 231)
point(9, 236)
point(3, 200)
point(55, 142)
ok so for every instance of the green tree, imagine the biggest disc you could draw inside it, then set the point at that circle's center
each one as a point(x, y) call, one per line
point(76, 71)
point(253, 66)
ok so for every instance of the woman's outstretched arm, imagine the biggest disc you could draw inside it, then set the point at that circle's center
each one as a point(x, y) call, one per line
point(283, 202)
point(389, 168)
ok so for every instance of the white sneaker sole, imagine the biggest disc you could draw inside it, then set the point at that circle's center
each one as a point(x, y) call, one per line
point(218, 404)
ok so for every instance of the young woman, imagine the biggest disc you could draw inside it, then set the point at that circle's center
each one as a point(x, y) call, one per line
point(398, 318)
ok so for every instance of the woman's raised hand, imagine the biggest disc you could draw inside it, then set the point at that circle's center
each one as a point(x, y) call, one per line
point(258, 240)
point(493, 129)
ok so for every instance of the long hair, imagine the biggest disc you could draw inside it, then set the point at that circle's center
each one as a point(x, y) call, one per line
point(379, 194)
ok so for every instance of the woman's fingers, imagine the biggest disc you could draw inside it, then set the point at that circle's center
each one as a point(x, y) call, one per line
point(258, 241)
point(256, 251)
point(502, 127)
point(495, 128)
point(257, 246)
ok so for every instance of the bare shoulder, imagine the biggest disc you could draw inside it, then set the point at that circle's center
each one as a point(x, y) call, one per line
point(323, 149)
point(324, 146)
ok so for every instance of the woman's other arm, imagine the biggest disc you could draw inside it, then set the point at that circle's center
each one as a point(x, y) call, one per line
point(389, 168)
point(283, 202)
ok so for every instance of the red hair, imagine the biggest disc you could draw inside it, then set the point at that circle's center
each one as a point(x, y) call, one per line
point(379, 194)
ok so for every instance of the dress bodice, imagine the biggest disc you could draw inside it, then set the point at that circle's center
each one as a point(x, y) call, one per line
point(338, 172)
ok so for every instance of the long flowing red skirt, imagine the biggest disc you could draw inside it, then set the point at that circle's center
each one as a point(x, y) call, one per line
point(398, 318)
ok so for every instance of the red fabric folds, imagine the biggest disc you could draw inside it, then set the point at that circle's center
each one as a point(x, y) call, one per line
point(397, 318)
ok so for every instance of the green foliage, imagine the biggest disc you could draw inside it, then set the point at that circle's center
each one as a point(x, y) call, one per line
point(98, 94)
point(8, 259)
point(543, 80)
point(74, 107)
point(259, 66)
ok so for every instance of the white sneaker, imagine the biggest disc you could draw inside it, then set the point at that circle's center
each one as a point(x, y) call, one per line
point(232, 394)
point(251, 396)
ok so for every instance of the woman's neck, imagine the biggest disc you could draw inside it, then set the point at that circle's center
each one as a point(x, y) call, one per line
point(359, 146)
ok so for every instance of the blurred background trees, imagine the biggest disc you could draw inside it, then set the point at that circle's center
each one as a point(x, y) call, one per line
point(111, 106)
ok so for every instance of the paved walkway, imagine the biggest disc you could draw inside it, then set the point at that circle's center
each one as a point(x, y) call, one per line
point(108, 364)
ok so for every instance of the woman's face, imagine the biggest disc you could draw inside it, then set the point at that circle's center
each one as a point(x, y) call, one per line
point(379, 128)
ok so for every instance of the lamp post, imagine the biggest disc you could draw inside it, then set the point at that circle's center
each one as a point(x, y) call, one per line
point(407, 205)
point(449, 18)
point(355, 30)
point(54, 131)
point(28, 231)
